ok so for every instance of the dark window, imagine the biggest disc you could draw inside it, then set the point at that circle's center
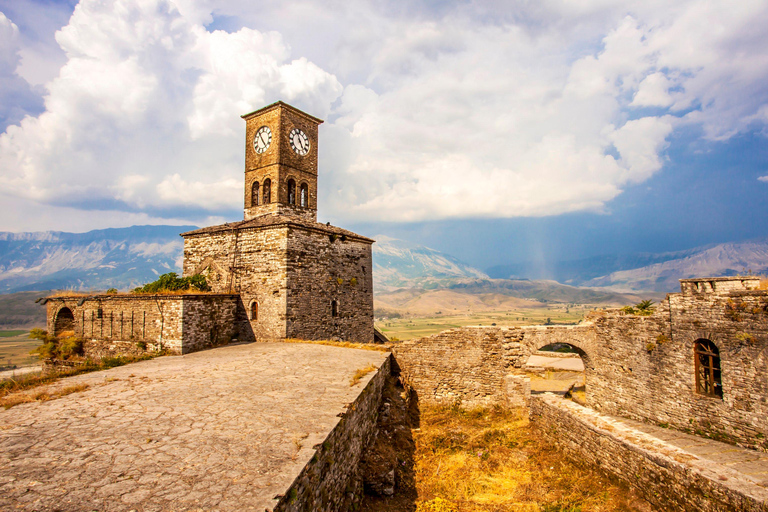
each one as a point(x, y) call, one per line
point(255, 194)
point(267, 191)
point(65, 321)
point(334, 308)
point(99, 313)
point(255, 311)
point(304, 195)
point(707, 359)
point(291, 192)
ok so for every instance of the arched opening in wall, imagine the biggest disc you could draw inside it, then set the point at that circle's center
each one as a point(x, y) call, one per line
point(334, 308)
point(65, 322)
point(558, 368)
point(707, 367)
point(304, 196)
point(254, 311)
point(255, 194)
point(291, 192)
point(266, 191)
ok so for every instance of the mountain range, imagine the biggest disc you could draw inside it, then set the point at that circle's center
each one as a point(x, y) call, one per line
point(128, 257)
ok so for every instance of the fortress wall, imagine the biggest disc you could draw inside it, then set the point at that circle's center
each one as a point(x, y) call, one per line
point(323, 268)
point(121, 325)
point(649, 362)
point(659, 471)
point(331, 480)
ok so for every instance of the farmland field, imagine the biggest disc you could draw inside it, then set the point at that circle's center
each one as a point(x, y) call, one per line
point(15, 347)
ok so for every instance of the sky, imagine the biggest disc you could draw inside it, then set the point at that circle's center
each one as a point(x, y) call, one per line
point(495, 131)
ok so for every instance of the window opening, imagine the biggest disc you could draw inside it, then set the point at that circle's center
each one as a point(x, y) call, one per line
point(65, 321)
point(708, 374)
point(255, 194)
point(304, 195)
point(255, 311)
point(291, 192)
point(334, 308)
point(267, 191)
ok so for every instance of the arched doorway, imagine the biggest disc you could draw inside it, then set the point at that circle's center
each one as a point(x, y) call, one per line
point(559, 368)
point(65, 322)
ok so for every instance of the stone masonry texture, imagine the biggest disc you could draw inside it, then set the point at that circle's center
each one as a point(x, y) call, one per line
point(250, 427)
point(639, 367)
point(118, 324)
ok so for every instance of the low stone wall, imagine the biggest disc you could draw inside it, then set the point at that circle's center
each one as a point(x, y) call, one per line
point(666, 476)
point(331, 481)
point(124, 324)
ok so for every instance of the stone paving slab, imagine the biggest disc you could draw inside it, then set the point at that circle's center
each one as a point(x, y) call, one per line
point(223, 429)
point(750, 463)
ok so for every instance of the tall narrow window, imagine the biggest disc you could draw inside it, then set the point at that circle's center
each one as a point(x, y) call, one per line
point(707, 360)
point(304, 195)
point(334, 308)
point(255, 194)
point(255, 311)
point(267, 191)
point(291, 192)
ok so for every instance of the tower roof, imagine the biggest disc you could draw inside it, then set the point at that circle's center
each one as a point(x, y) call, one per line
point(282, 104)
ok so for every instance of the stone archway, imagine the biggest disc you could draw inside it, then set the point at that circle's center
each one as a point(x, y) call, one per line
point(64, 323)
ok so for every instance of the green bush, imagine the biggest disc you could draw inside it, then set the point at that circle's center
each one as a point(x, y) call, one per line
point(54, 348)
point(171, 282)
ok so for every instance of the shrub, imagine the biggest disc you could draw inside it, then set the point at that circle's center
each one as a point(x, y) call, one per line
point(170, 282)
point(112, 291)
point(642, 308)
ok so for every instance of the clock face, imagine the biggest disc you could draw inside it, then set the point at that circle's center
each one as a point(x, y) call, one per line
point(299, 142)
point(262, 139)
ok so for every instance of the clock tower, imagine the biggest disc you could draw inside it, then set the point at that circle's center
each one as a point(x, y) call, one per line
point(281, 162)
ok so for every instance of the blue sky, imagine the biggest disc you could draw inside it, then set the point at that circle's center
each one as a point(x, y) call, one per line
point(497, 132)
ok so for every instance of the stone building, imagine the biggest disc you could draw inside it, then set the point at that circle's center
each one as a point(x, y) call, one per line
point(290, 276)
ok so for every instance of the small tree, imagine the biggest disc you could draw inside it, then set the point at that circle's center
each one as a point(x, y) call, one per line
point(171, 282)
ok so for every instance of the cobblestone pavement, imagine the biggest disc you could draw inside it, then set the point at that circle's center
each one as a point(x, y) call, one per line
point(752, 464)
point(223, 429)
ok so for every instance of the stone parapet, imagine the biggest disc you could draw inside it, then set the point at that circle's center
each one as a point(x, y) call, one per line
point(668, 477)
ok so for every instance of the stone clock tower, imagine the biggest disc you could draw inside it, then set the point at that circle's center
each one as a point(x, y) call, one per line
point(281, 162)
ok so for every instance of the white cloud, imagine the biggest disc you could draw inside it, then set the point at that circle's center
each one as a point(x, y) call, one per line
point(763, 178)
point(456, 110)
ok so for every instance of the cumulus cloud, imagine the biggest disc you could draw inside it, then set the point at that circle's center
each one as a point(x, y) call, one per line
point(433, 111)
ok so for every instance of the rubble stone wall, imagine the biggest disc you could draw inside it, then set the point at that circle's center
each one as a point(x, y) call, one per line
point(332, 481)
point(324, 268)
point(640, 367)
point(660, 472)
point(115, 325)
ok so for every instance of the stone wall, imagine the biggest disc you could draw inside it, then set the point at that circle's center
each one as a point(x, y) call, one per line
point(293, 272)
point(640, 367)
point(323, 268)
point(130, 324)
point(259, 257)
point(666, 476)
point(331, 480)
point(469, 365)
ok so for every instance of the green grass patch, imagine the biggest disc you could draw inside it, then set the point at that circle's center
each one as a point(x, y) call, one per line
point(9, 334)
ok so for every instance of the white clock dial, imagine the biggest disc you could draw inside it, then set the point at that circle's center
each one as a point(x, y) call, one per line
point(299, 141)
point(262, 139)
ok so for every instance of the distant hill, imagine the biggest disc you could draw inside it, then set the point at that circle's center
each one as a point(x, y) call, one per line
point(713, 261)
point(401, 264)
point(107, 258)
point(645, 271)
point(19, 311)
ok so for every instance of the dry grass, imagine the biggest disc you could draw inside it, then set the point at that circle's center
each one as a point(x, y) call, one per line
point(491, 460)
point(43, 396)
point(70, 293)
point(360, 373)
point(344, 344)
point(763, 284)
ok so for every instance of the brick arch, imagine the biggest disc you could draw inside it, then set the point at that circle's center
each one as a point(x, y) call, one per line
point(64, 321)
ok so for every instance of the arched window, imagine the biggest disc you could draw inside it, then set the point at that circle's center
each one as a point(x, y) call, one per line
point(255, 194)
point(291, 192)
point(267, 191)
point(707, 360)
point(304, 199)
point(334, 308)
point(254, 311)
